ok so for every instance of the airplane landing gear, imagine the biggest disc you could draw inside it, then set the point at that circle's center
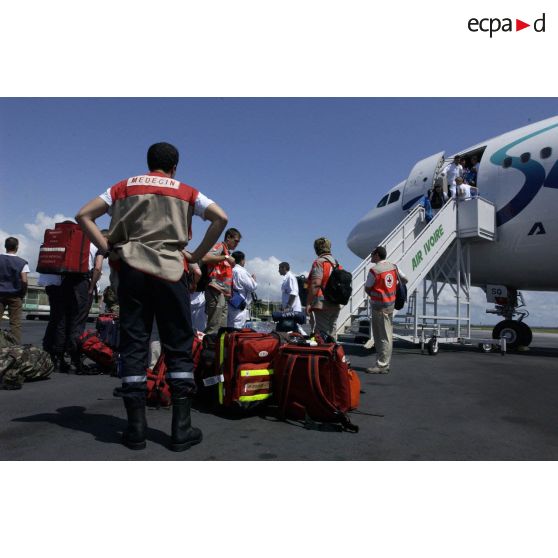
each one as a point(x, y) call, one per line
point(517, 334)
point(509, 303)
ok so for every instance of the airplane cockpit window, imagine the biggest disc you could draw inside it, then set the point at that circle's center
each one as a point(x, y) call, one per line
point(546, 152)
point(383, 201)
point(507, 162)
point(525, 157)
point(394, 196)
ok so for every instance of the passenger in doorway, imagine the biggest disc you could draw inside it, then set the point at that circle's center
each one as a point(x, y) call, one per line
point(437, 196)
point(323, 314)
point(244, 285)
point(13, 285)
point(463, 191)
point(381, 288)
point(453, 171)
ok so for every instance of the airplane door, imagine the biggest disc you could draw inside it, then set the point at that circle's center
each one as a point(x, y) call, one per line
point(421, 179)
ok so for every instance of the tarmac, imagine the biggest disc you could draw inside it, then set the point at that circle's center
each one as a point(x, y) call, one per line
point(460, 404)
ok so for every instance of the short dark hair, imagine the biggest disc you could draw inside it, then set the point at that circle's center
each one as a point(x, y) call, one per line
point(380, 251)
point(238, 256)
point(11, 243)
point(232, 232)
point(162, 156)
point(285, 265)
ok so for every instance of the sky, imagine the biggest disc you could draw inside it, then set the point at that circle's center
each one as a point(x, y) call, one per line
point(286, 170)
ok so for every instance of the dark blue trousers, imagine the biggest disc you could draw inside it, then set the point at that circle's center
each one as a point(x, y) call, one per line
point(142, 298)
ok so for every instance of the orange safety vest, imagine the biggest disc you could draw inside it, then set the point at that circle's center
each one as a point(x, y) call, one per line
point(325, 277)
point(221, 273)
point(384, 289)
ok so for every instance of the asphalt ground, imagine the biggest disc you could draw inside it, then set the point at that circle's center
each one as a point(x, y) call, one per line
point(461, 404)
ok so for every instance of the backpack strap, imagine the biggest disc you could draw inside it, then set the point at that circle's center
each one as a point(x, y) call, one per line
point(284, 395)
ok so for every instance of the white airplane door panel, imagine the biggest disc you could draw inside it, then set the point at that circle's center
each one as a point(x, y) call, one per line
point(420, 179)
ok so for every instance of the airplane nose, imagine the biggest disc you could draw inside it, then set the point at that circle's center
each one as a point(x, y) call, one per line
point(373, 228)
point(359, 239)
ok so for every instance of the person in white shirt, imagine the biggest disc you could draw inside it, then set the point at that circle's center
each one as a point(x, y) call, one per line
point(462, 190)
point(197, 300)
point(290, 298)
point(243, 286)
point(453, 170)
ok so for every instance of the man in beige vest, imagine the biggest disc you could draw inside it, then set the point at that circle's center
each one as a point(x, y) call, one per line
point(149, 230)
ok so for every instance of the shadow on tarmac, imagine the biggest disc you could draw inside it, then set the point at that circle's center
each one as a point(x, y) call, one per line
point(105, 428)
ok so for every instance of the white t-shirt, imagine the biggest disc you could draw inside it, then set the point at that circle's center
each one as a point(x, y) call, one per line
point(243, 283)
point(452, 172)
point(464, 191)
point(290, 287)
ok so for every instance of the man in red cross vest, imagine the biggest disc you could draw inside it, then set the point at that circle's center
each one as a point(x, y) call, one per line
point(381, 287)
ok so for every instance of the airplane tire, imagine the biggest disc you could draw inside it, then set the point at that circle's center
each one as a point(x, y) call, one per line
point(516, 333)
point(433, 346)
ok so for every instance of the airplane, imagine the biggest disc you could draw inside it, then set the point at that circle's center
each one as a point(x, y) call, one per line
point(518, 173)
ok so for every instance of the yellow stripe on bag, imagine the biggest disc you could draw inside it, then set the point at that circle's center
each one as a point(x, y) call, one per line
point(221, 360)
point(264, 372)
point(258, 397)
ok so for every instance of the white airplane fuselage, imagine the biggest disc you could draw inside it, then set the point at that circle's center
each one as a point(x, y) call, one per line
point(518, 172)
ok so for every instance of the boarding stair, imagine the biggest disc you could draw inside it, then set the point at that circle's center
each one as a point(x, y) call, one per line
point(432, 254)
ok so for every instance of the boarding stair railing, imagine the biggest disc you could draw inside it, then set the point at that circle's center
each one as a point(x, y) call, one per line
point(416, 246)
point(402, 236)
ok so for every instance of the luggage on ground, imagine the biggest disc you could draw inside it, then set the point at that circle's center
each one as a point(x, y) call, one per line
point(244, 368)
point(108, 328)
point(158, 391)
point(288, 321)
point(6, 339)
point(65, 250)
point(23, 363)
point(93, 348)
point(314, 383)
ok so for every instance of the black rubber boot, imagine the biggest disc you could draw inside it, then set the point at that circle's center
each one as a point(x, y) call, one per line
point(134, 435)
point(183, 435)
point(60, 364)
point(77, 364)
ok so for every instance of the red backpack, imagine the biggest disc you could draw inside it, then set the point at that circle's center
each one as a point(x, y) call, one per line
point(92, 347)
point(158, 391)
point(314, 383)
point(65, 250)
